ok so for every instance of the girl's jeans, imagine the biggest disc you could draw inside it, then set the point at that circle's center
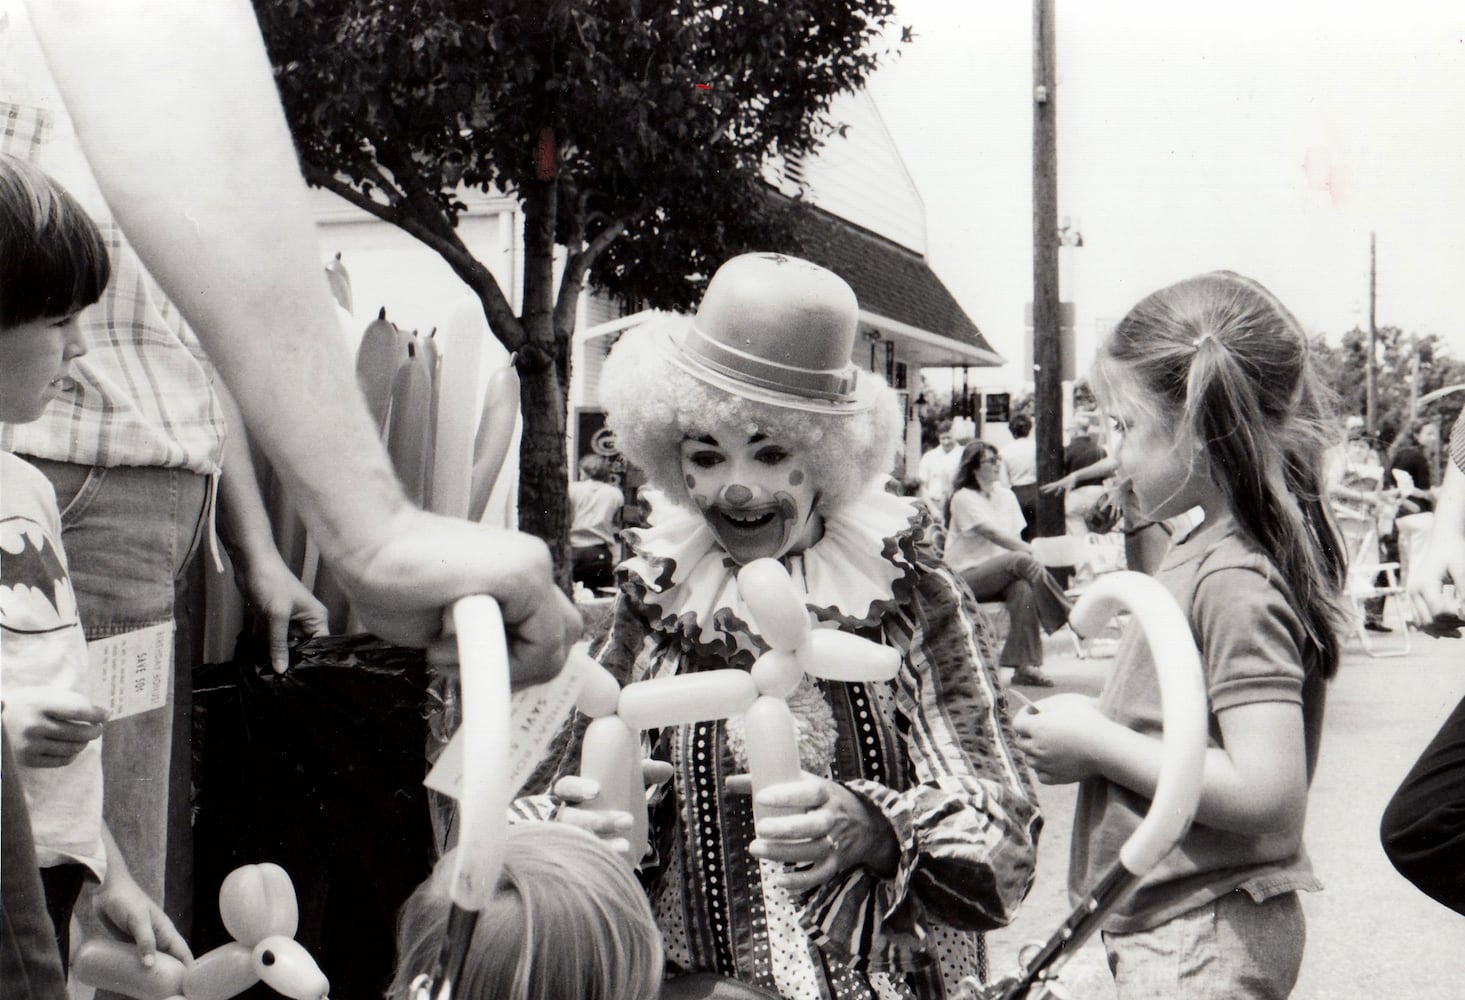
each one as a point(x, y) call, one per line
point(129, 534)
point(1232, 949)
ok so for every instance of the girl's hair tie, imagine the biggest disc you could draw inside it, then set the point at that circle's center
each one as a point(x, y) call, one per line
point(1199, 340)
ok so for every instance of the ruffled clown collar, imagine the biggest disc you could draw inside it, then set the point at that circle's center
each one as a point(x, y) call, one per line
point(686, 583)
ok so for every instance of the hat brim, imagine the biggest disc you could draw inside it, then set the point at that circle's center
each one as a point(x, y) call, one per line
point(866, 390)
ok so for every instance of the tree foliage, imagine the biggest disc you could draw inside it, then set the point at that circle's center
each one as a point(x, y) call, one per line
point(633, 134)
point(1409, 367)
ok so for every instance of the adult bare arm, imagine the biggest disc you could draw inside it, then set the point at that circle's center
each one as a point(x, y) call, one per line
point(176, 107)
point(1444, 556)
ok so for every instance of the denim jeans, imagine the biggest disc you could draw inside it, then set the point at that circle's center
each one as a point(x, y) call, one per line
point(1033, 600)
point(129, 534)
point(1232, 949)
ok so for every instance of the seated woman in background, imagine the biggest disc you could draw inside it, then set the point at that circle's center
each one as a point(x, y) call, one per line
point(595, 508)
point(984, 546)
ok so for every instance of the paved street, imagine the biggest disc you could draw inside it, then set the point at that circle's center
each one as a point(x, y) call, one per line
point(1370, 933)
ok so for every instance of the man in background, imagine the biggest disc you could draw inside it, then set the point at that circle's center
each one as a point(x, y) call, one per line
point(1021, 461)
point(938, 467)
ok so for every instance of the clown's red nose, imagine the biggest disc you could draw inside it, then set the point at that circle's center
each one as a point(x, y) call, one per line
point(737, 495)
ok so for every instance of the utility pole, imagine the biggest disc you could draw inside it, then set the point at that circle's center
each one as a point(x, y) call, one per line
point(1047, 348)
point(1369, 389)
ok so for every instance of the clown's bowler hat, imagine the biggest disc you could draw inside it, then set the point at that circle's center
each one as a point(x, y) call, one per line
point(780, 330)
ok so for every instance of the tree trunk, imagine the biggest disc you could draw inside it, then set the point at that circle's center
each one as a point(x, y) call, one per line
point(543, 475)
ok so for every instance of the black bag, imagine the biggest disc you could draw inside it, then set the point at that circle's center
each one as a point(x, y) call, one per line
point(319, 770)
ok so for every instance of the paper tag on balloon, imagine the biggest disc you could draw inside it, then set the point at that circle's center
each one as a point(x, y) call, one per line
point(132, 672)
point(536, 714)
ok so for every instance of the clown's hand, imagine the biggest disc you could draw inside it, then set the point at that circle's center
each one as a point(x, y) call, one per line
point(571, 794)
point(833, 830)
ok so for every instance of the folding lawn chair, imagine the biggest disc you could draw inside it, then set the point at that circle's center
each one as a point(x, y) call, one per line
point(1362, 585)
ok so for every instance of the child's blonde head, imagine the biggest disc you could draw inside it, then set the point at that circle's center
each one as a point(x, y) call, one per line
point(1221, 360)
point(53, 260)
point(567, 920)
point(653, 404)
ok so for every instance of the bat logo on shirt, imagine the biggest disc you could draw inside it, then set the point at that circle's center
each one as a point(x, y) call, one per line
point(31, 567)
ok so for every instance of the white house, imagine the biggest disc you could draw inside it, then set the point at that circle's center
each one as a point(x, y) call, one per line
point(862, 217)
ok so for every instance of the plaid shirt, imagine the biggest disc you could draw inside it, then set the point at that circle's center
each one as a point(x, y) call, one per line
point(144, 391)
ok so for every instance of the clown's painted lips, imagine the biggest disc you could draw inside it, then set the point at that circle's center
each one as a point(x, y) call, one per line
point(750, 533)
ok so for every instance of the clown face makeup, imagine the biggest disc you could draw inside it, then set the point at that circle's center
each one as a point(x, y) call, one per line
point(754, 492)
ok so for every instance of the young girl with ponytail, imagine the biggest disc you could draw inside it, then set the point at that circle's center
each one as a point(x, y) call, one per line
point(1215, 405)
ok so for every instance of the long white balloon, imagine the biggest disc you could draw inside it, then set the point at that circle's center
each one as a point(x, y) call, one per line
point(1182, 697)
point(483, 658)
point(683, 698)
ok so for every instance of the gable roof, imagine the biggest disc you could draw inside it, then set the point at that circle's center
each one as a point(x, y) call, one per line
point(894, 283)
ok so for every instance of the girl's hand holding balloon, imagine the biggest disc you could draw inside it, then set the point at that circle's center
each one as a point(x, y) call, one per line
point(832, 830)
point(1058, 736)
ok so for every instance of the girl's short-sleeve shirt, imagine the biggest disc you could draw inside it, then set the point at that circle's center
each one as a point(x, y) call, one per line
point(1251, 644)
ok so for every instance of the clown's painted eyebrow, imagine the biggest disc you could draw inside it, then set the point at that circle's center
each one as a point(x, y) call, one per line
point(707, 439)
point(756, 438)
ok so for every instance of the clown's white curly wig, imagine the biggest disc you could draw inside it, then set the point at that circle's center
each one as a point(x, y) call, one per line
point(652, 404)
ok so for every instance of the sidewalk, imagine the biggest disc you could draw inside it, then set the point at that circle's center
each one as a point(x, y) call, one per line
point(1370, 933)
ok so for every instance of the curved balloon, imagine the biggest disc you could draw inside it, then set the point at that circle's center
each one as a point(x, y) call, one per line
point(1182, 699)
point(483, 806)
point(600, 692)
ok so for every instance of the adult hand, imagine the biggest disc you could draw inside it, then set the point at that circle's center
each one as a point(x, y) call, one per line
point(121, 903)
point(49, 726)
point(1060, 485)
point(834, 830)
point(284, 602)
point(1055, 735)
point(1443, 558)
point(427, 562)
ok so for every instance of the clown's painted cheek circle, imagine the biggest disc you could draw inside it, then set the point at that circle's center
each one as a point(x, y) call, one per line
point(796, 477)
point(691, 483)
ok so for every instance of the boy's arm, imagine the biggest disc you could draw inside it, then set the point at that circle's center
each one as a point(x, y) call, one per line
point(121, 902)
point(49, 726)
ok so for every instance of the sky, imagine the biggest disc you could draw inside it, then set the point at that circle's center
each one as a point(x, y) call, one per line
point(1267, 138)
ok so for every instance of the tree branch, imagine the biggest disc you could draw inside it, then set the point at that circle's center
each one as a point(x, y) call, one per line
point(318, 177)
point(577, 265)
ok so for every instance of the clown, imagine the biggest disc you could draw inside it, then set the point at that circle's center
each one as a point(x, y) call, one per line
point(914, 825)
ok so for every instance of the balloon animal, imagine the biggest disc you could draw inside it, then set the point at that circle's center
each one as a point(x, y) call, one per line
point(259, 908)
point(611, 751)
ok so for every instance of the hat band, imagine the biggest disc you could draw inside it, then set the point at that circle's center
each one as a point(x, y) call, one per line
point(837, 385)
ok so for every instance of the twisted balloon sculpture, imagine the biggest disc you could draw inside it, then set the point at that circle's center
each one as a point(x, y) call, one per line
point(260, 910)
point(611, 751)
